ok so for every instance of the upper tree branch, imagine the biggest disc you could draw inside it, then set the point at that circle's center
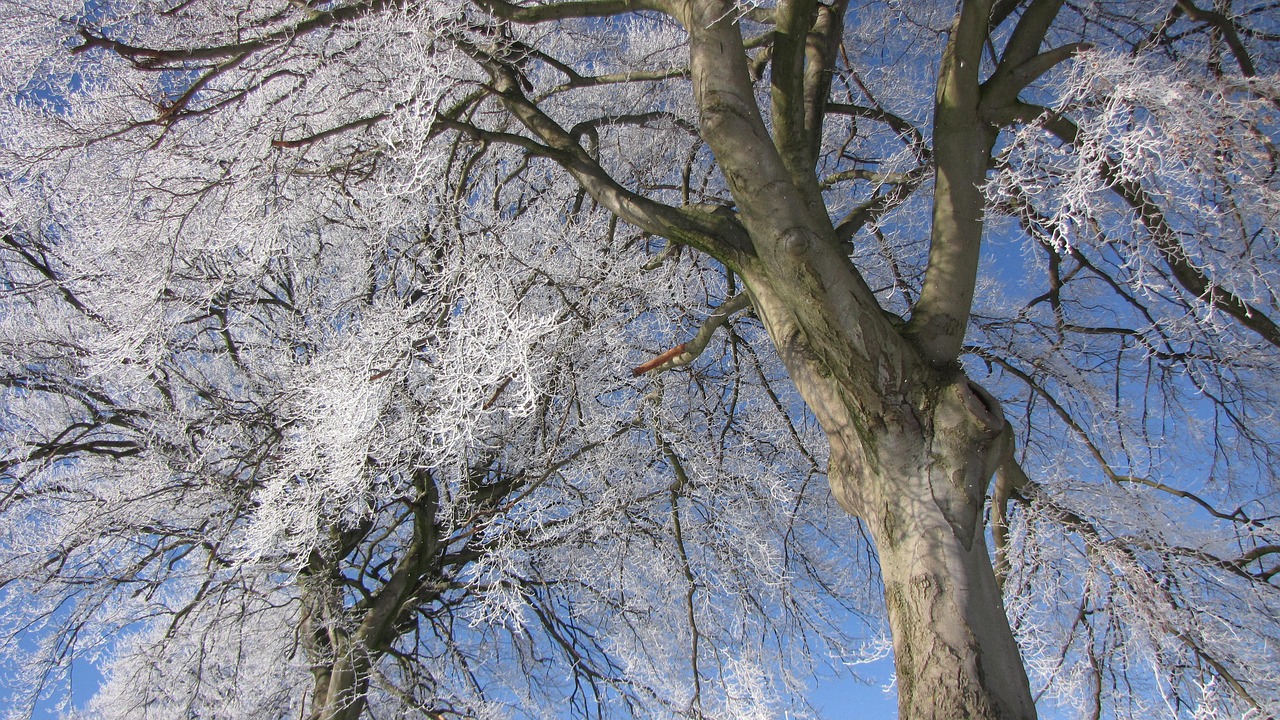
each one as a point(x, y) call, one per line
point(769, 200)
point(900, 187)
point(1029, 34)
point(821, 52)
point(1191, 278)
point(577, 80)
point(1224, 25)
point(1022, 62)
point(793, 18)
point(715, 233)
point(532, 14)
point(965, 127)
point(803, 57)
point(173, 58)
point(909, 133)
point(833, 313)
point(34, 255)
point(962, 142)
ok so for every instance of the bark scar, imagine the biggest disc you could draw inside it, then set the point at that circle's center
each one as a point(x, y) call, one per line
point(985, 407)
point(968, 458)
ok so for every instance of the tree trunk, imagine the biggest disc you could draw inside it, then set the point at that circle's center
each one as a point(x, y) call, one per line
point(954, 653)
point(912, 455)
point(913, 442)
point(339, 666)
point(339, 692)
point(343, 643)
point(922, 500)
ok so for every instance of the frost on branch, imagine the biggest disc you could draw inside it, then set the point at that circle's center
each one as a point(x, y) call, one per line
point(239, 665)
point(261, 377)
point(1199, 147)
point(347, 418)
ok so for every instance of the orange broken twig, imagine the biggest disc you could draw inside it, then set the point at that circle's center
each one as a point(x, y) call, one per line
point(664, 357)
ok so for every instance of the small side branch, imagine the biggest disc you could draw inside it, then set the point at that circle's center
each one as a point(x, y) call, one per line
point(534, 14)
point(687, 352)
point(1011, 481)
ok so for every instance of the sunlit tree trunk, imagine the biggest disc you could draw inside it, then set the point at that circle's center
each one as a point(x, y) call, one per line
point(343, 642)
point(913, 442)
point(913, 463)
point(339, 665)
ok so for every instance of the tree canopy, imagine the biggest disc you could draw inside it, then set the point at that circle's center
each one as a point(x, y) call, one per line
point(640, 358)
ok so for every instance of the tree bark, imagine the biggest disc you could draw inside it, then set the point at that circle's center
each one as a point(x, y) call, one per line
point(955, 653)
point(913, 459)
point(342, 642)
point(339, 665)
point(913, 442)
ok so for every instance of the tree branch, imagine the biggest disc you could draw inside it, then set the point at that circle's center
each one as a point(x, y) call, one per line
point(821, 52)
point(1191, 278)
point(1227, 27)
point(714, 232)
point(1237, 516)
point(177, 58)
point(533, 14)
point(687, 352)
point(962, 142)
point(787, 88)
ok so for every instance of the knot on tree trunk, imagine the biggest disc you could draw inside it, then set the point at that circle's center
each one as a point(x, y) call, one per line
point(984, 407)
point(965, 450)
point(796, 241)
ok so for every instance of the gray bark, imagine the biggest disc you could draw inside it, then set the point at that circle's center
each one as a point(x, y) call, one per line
point(913, 442)
point(343, 642)
point(914, 464)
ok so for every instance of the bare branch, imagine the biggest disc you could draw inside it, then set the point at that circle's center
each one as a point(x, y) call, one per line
point(687, 352)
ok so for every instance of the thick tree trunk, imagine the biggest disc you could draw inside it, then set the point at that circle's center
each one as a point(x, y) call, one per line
point(912, 454)
point(954, 653)
point(339, 667)
point(343, 643)
point(339, 692)
point(913, 442)
point(922, 500)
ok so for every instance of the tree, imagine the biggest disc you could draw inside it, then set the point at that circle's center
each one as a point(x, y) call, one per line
point(319, 317)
